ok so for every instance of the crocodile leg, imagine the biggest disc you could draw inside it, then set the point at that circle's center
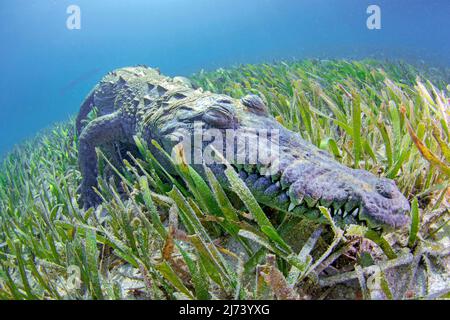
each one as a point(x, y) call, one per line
point(112, 152)
point(86, 107)
point(104, 130)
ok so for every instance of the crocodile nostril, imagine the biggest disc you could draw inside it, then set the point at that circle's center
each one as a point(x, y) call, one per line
point(386, 189)
point(254, 104)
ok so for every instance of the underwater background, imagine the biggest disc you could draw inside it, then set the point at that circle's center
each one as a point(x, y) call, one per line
point(47, 69)
point(376, 101)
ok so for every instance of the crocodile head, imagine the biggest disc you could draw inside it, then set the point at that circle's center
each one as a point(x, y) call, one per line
point(294, 175)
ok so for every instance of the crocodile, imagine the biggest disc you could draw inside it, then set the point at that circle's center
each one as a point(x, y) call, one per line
point(140, 101)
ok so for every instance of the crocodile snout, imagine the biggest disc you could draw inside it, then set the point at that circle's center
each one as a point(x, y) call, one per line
point(385, 206)
point(352, 196)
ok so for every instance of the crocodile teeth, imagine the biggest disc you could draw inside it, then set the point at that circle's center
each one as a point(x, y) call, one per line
point(311, 202)
point(276, 176)
point(355, 213)
point(345, 214)
point(260, 168)
point(291, 207)
point(264, 171)
point(331, 210)
point(284, 185)
point(349, 206)
point(295, 199)
point(337, 205)
point(326, 203)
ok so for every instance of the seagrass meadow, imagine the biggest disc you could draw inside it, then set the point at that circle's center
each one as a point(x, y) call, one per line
point(181, 237)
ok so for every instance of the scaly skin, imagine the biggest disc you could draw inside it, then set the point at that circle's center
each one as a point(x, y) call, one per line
point(138, 101)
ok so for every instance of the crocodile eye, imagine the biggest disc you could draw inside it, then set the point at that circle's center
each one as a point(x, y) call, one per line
point(219, 118)
point(254, 103)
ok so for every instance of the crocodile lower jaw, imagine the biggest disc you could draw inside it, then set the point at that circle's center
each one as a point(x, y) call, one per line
point(270, 192)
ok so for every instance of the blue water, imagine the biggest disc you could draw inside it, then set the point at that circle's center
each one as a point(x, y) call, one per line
point(46, 70)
